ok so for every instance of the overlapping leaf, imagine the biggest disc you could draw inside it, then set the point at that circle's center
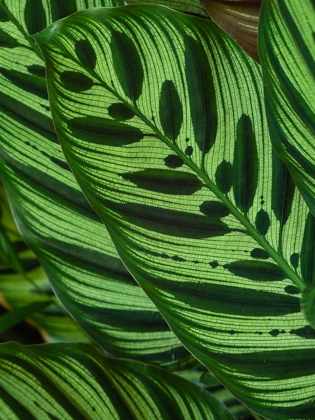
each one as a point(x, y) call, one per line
point(23, 283)
point(287, 53)
point(166, 133)
point(239, 19)
point(52, 214)
point(75, 382)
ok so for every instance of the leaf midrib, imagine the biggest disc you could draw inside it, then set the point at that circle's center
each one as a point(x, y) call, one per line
point(208, 183)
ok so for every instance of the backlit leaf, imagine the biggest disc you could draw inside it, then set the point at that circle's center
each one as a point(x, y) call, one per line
point(52, 214)
point(72, 381)
point(219, 261)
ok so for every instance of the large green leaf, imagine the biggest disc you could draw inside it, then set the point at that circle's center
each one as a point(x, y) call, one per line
point(55, 219)
point(168, 139)
point(287, 53)
point(71, 381)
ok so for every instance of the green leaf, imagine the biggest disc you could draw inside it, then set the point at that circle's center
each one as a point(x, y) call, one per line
point(55, 219)
point(287, 54)
point(220, 264)
point(16, 316)
point(71, 381)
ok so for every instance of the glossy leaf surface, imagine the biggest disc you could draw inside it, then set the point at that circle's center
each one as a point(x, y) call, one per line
point(69, 381)
point(287, 53)
point(186, 181)
point(54, 217)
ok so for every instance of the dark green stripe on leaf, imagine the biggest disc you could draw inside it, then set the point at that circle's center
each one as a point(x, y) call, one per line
point(214, 209)
point(308, 250)
point(173, 161)
point(165, 181)
point(120, 112)
point(75, 81)
point(171, 110)
point(256, 270)
point(3, 15)
point(35, 17)
point(283, 189)
point(245, 164)
point(201, 91)
point(104, 131)
point(294, 259)
point(262, 222)
point(27, 82)
point(37, 70)
point(85, 53)
point(62, 8)
point(259, 253)
point(170, 222)
point(7, 40)
point(308, 303)
point(127, 64)
point(224, 176)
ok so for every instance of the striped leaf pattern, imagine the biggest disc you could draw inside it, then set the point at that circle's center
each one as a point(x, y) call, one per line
point(239, 19)
point(73, 381)
point(287, 53)
point(169, 142)
point(25, 283)
point(55, 219)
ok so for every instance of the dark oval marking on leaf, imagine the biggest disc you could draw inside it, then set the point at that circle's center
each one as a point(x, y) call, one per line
point(189, 151)
point(294, 259)
point(34, 16)
point(203, 107)
point(214, 209)
point(245, 164)
point(259, 253)
point(37, 70)
point(214, 264)
point(308, 251)
point(170, 222)
point(120, 112)
point(171, 110)
point(104, 131)
point(173, 161)
point(75, 81)
point(165, 181)
point(283, 189)
point(7, 40)
point(85, 53)
point(127, 64)
point(256, 270)
point(224, 176)
point(292, 290)
point(262, 222)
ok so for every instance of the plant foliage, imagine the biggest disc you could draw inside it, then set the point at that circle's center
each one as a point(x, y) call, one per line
point(193, 235)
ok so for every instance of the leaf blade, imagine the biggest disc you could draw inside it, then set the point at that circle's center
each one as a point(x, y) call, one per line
point(179, 261)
